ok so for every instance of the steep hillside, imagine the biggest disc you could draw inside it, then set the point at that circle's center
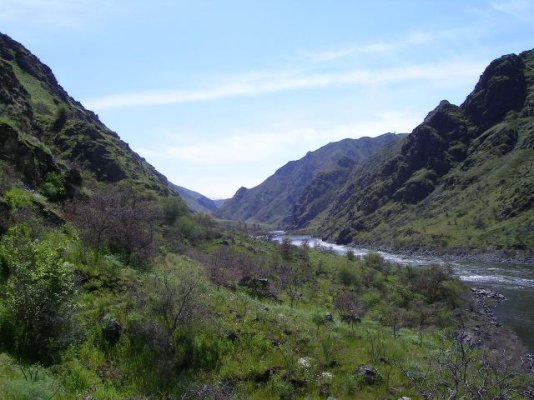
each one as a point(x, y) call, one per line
point(195, 201)
point(463, 178)
point(273, 201)
point(316, 199)
point(52, 139)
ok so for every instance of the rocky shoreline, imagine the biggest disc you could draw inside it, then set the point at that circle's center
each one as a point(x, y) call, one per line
point(483, 329)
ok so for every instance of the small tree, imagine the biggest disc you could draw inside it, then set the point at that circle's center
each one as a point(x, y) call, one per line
point(350, 309)
point(119, 220)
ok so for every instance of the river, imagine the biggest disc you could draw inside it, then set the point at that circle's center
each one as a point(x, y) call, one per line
point(515, 281)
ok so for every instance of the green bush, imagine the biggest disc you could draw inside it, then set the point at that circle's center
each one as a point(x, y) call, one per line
point(62, 115)
point(38, 292)
point(54, 186)
point(173, 208)
point(18, 198)
point(348, 277)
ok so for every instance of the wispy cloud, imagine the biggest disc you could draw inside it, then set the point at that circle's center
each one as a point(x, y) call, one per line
point(258, 84)
point(412, 40)
point(55, 14)
point(254, 147)
point(519, 9)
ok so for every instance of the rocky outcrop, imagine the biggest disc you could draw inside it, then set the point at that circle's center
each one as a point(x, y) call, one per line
point(501, 88)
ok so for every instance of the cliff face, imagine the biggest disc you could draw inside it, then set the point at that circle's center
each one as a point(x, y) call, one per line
point(459, 177)
point(44, 131)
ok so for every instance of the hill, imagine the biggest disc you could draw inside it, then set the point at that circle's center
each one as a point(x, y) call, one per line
point(272, 201)
point(196, 201)
point(52, 139)
point(463, 178)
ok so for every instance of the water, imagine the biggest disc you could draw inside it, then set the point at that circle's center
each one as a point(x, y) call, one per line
point(515, 281)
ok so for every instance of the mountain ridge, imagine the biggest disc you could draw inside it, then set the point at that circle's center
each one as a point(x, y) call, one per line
point(455, 173)
point(272, 201)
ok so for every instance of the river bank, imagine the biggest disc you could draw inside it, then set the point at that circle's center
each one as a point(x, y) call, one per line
point(482, 328)
point(515, 280)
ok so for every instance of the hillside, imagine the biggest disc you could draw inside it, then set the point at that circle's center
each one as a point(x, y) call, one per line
point(272, 201)
point(52, 139)
point(196, 201)
point(463, 178)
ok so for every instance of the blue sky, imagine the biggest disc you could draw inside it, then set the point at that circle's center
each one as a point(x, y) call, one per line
point(219, 94)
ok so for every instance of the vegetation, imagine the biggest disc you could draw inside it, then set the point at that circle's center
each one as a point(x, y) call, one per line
point(229, 317)
point(110, 288)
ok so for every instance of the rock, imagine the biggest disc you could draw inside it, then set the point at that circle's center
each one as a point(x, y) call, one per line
point(369, 374)
point(501, 88)
point(326, 377)
point(304, 362)
point(111, 328)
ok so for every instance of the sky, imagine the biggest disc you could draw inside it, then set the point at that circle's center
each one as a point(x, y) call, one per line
point(219, 94)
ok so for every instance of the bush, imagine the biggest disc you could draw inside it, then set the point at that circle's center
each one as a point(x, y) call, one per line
point(18, 198)
point(38, 294)
point(173, 208)
point(62, 114)
point(54, 186)
point(348, 277)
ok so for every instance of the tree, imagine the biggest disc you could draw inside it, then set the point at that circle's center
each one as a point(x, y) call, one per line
point(350, 309)
point(119, 220)
point(292, 276)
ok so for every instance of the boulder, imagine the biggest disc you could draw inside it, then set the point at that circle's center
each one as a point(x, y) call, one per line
point(111, 328)
point(369, 374)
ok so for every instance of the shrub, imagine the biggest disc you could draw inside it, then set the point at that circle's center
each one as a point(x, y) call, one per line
point(38, 294)
point(62, 114)
point(54, 186)
point(348, 277)
point(18, 198)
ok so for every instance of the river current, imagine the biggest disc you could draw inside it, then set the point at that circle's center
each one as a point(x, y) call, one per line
point(515, 281)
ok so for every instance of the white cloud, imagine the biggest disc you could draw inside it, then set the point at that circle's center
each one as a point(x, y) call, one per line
point(253, 147)
point(218, 167)
point(262, 83)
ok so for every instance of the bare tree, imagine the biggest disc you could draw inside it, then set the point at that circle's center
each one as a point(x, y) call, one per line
point(120, 220)
point(350, 309)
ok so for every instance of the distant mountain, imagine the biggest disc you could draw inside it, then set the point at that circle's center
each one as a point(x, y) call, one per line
point(196, 201)
point(219, 202)
point(463, 178)
point(274, 200)
point(52, 141)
